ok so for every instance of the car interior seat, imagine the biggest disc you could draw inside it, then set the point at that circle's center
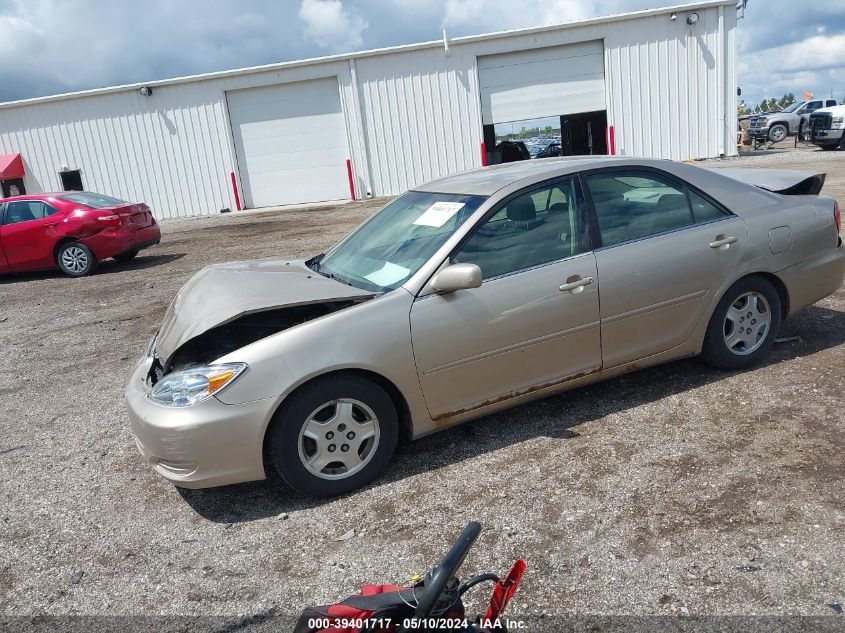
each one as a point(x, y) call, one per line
point(672, 211)
point(19, 213)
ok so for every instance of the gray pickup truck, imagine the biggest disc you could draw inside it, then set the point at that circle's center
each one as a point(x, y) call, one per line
point(776, 126)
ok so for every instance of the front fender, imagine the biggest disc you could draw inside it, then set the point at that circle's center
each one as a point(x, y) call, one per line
point(374, 336)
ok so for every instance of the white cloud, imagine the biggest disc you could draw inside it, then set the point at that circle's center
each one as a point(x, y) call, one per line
point(820, 51)
point(329, 25)
point(482, 15)
point(813, 64)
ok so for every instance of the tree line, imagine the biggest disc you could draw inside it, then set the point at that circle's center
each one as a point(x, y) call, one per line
point(771, 105)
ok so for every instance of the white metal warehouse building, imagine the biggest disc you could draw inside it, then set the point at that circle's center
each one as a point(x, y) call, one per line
point(658, 83)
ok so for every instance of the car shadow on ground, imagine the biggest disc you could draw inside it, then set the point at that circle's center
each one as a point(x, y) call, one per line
point(558, 417)
point(105, 268)
point(139, 263)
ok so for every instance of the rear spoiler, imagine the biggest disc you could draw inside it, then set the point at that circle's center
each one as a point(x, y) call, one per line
point(787, 182)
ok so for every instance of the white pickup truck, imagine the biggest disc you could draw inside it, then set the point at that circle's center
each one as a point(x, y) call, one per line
point(776, 126)
point(827, 127)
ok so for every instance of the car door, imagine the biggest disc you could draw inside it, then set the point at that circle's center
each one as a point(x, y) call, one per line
point(534, 321)
point(664, 251)
point(27, 234)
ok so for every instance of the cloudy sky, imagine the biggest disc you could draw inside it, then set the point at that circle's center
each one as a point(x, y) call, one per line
point(54, 46)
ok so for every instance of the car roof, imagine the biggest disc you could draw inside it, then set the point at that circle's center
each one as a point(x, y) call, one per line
point(36, 196)
point(485, 181)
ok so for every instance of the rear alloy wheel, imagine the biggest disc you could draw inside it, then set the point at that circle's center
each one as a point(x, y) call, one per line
point(126, 257)
point(333, 435)
point(75, 259)
point(744, 325)
point(777, 133)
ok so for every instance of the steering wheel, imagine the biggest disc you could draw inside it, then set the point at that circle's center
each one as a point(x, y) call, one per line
point(447, 568)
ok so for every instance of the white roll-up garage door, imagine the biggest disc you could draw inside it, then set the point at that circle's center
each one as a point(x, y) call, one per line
point(291, 142)
point(542, 82)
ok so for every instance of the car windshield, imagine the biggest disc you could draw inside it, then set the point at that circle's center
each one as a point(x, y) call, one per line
point(794, 106)
point(391, 246)
point(93, 200)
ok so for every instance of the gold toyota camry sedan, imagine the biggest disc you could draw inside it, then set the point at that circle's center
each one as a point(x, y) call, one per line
point(467, 295)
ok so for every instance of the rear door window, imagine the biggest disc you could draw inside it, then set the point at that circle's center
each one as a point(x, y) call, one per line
point(632, 205)
point(27, 210)
point(703, 210)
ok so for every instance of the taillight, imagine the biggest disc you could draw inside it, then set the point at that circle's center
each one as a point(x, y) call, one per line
point(837, 217)
point(110, 220)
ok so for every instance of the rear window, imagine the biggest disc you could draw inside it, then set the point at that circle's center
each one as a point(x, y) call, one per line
point(93, 200)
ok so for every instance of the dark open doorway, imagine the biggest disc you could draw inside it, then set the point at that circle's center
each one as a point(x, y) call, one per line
point(71, 180)
point(584, 134)
point(13, 187)
point(578, 134)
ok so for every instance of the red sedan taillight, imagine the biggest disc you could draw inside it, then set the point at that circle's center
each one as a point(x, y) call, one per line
point(837, 217)
point(110, 220)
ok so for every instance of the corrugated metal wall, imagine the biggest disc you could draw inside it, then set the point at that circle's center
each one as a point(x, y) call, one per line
point(672, 86)
point(411, 115)
point(172, 150)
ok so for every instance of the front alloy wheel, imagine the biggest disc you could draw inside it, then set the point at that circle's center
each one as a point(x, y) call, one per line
point(333, 435)
point(339, 439)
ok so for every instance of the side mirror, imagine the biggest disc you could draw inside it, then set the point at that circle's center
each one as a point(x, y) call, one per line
point(457, 277)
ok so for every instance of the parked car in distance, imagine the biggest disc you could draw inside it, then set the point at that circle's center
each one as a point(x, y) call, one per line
point(776, 126)
point(547, 151)
point(827, 127)
point(468, 295)
point(512, 151)
point(72, 230)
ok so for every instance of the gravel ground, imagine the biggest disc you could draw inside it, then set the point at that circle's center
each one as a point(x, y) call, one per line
point(675, 490)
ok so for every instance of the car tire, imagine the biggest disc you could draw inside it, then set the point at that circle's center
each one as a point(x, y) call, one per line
point(778, 132)
point(75, 259)
point(126, 257)
point(333, 435)
point(743, 326)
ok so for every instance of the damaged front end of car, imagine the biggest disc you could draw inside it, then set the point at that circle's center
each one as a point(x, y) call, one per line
point(230, 306)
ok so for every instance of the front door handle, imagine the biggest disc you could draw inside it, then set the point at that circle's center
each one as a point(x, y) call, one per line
point(576, 283)
point(723, 240)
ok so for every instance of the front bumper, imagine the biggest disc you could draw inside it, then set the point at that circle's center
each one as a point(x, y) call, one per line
point(827, 137)
point(208, 444)
point(758, 131)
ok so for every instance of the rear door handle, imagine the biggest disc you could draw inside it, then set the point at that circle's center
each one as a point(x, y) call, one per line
point(576, 284)
point(723, 240)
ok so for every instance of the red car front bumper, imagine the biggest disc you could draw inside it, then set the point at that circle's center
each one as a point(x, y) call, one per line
point(122, 239)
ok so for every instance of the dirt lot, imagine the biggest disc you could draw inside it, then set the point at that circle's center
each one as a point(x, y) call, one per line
point(675, 490)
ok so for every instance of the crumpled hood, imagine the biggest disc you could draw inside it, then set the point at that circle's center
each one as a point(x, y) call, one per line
point(222, 292)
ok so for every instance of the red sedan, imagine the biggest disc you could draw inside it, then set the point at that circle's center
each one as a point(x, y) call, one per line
point(73, 230)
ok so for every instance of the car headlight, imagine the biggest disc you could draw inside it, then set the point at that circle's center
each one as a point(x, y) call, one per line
point(151, 346)
point(191, 386)
point(838, 120)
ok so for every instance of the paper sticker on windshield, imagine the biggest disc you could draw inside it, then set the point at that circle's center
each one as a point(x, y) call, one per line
point(439, 214)
point(388, 275)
